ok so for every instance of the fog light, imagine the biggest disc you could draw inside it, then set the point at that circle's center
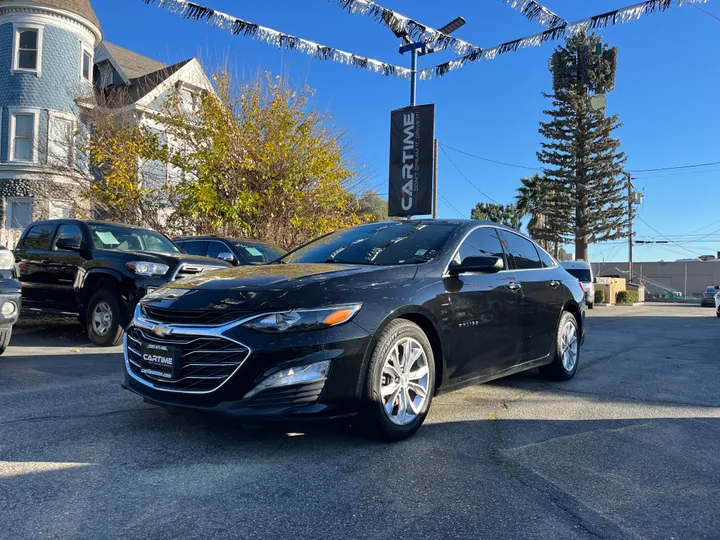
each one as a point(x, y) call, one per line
point(8, 309)
point(294, 375)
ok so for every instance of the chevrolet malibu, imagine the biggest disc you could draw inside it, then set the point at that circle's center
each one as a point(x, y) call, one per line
point(371, 321)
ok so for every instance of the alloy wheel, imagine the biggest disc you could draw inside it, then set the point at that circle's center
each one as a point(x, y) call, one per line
point(569, 346)
point(102, 318)
point(405, 381)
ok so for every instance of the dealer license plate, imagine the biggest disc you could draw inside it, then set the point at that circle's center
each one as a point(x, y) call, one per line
point(159, 360)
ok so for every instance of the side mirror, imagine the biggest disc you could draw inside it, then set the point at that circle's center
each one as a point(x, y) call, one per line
point(226, 256)
point(484, 265)
point(68, 244)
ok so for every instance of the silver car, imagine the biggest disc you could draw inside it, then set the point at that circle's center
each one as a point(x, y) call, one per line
point(584, 274)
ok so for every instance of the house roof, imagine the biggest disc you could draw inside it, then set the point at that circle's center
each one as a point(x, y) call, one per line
point(78, 7)
point(139, 87)
point(133, 65)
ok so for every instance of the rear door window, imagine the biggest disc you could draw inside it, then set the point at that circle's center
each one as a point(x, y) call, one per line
point(546, 258)
point(195, 247)
point(521, 253)
point(38, 237)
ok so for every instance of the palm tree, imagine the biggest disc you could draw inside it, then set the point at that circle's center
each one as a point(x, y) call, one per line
point(531, 199)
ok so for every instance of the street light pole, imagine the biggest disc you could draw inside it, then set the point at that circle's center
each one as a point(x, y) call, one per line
point(413, 76)
point(630, 229)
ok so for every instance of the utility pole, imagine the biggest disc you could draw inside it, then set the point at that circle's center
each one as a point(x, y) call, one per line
point(435, 180)
point(630, 229)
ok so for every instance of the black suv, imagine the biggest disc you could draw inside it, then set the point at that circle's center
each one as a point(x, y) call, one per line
point(98, 271)
point(233, 250)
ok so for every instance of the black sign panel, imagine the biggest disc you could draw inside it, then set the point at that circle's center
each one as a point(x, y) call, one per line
point(412, 131)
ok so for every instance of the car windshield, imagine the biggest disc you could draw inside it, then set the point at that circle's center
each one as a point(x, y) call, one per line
point(119, 238)
point(256, 253)
point(711, 289)
point(401, 242)
point(583, 274)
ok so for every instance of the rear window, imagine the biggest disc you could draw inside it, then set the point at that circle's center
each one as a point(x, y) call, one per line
point(711, 289)
point(38, 237)
point(581, 274)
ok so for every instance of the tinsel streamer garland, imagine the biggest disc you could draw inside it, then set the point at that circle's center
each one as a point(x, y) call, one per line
point(611, 18)
point(400, 23)
point(223, 21)
point(534, 11)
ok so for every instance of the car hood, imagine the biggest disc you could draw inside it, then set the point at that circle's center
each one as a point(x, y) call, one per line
point(276, 286)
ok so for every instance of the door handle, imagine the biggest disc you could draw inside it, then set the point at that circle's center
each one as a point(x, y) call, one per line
point(513, 286)
point(46, 262)
point(554, 284)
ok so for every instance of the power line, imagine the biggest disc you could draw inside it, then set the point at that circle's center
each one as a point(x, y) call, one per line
point(706, 12)
point(673, 168)
point(666, 238)
point(451, 205)
point(466, 178)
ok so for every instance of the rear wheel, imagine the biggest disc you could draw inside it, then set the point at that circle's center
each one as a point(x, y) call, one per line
point(5, 334)
point(400, 382)
point(567, 350)
point(105, 318)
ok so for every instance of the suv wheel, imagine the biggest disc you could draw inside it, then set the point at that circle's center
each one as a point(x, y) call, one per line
point(400, 382)
point(567, 350)
point(104, 319)
point(5, 334)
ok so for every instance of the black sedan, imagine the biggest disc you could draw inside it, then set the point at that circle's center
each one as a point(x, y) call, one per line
point(233, 250)
point(371, 321)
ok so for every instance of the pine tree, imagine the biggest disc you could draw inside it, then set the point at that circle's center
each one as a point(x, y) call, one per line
point(585, 166)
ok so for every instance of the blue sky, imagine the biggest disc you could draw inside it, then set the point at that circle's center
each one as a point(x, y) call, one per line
point(666, 95)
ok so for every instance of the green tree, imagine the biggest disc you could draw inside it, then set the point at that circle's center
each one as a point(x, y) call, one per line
point(584, 164)
point(506, 214)
point(372, 206)
point(536, 197)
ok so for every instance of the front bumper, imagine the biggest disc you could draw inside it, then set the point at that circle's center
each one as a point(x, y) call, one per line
point(338, 395)
point(10, 291)
point(707, 302)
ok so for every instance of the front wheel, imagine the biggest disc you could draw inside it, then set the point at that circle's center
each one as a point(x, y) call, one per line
point(5, 334)
point(591, 305)
point(104, 319)
point(400, 382)
point(567, 350)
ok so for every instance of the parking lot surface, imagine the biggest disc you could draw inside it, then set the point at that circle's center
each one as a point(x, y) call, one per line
point(630, 448)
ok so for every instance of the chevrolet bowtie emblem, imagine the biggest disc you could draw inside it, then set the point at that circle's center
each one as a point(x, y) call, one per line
point(161, 331)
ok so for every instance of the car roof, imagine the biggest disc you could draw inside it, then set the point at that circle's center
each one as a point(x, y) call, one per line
point(226, 238)
point(87, 222)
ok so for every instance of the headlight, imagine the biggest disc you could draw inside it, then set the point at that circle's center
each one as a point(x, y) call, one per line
point(295, 375)
point(7, 260)
point(303, 319)
point(142, 268)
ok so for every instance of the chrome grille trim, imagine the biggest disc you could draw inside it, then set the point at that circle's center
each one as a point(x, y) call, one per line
point(146, 325)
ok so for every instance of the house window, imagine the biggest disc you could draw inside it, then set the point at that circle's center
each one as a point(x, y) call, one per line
point(87, 65)
point(60, 209)
point(61, 140)
point(19, 212)
point(23, 134)
point(27, 56)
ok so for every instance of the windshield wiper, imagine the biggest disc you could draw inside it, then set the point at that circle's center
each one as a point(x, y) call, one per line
point(332, 260)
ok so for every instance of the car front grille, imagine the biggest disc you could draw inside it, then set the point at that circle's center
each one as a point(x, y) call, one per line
point(187, 270)
point(205, 364)
point(205, 317)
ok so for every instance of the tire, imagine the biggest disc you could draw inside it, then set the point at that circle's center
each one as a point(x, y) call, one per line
point(5, 334)
point(718, 314)
point(591, 305)
point(107, 333)
point(389, 422)
point(560, 369)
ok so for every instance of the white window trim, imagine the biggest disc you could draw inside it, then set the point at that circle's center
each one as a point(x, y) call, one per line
point(17, 28)
point(12, 111)
point(73, 149)
point(84, 49)
point(8, 214)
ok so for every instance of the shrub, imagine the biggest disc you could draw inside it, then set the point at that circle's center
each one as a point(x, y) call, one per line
point(627, 297)
point(599, 296)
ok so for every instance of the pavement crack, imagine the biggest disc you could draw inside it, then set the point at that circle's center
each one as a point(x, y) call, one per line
point(69, 416)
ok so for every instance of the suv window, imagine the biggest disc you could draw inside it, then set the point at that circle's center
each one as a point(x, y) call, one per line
point(38, 237)
point(67, 231)
point(482, 242)
point(215, 248)
point(195, 247)
point(521, 253)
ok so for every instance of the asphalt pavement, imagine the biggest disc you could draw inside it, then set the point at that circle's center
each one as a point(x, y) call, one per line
point(630, 448)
